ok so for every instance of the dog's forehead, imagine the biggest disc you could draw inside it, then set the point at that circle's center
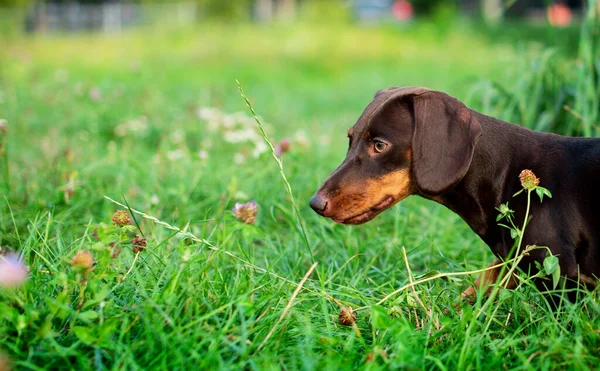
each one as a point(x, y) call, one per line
point(380, 99)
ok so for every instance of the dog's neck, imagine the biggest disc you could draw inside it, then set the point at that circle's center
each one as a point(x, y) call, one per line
point(497, 157)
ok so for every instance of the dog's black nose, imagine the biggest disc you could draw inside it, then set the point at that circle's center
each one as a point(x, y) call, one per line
point(318, 204)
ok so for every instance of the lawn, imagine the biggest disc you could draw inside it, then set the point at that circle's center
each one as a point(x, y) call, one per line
point(153, 118)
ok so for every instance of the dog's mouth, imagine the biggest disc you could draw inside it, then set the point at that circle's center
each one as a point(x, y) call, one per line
point(365, 216)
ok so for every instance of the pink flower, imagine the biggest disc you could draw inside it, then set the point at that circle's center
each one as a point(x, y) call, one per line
point(246, 213)
point(95, 94)
point(282, 147)
point(13, 272)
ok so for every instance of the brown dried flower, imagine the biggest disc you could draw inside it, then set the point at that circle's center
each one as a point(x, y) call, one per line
point(83, 261)
point(528, 180)
point(246, 213)
point(139, 244)
point(347, 316)
point(121, 218)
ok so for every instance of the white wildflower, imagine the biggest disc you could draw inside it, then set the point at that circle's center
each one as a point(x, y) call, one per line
point(137, 126)
point(175, 154)
point(177, 136)
point(324, 140)
point(301, 138)
point(239, 158)
point(259, 148)
point(207, 113)
point(240, 135)
point(61, 75)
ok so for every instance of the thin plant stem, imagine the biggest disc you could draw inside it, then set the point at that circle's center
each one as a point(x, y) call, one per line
point(287, 185)
point(288, 306)
point(439, 275)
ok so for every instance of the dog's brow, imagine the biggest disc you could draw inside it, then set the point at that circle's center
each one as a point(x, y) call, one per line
point(350, 132)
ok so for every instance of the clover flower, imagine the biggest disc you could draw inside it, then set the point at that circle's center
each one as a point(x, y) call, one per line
point(528, 180)
point(13, 272)
point(139, 244)
point(347, 316)
point(282, 147)
point(83, 261)
point(246, 212)
point(121, 218)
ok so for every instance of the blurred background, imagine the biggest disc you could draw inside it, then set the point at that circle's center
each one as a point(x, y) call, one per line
point(99, 95)
point(116, 15)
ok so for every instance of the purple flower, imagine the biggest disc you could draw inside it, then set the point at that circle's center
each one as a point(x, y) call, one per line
point(13, 272)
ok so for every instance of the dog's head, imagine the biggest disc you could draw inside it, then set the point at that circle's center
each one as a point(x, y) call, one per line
point(407, 140)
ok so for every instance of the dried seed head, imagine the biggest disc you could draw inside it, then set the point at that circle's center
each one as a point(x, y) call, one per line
point(121, 218)
point(83, 261)
point(528, 180)
point(246, 213)
point(139, 244)
point(347, 316)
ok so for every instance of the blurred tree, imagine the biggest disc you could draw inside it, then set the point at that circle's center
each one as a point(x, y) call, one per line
point(330, 11)
point(426, 7)
point(10, 3)
point(230, 9)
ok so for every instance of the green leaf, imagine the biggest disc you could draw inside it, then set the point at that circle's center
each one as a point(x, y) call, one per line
point(540, 193)
point(410, 301)
point(518, 193)
point(380, 317)
point(556, 276)
point(84, 334)
point(550, 264)
point(89, 315)
point(546, 192)
point(514, 234)
point(108, 328)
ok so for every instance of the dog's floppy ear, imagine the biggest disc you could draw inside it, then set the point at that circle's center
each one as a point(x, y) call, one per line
point(444, 137)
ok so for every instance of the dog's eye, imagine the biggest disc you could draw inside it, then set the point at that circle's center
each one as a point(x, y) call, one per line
point(380, 146)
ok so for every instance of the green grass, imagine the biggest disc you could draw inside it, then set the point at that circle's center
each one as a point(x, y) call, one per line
point(209, 297)
point(551, 92)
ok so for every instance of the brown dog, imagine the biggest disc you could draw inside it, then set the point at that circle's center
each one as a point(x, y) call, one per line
point(418, 141)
